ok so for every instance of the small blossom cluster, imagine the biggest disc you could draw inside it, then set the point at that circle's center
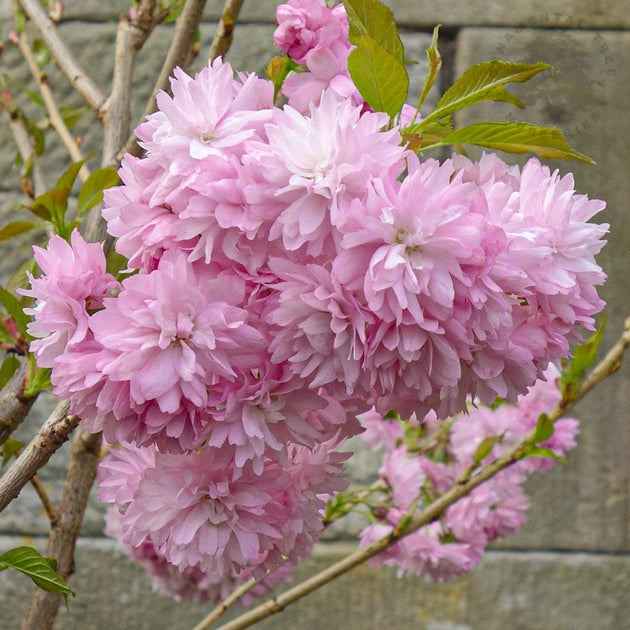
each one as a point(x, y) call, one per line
point(290, 268)
point(425, 458)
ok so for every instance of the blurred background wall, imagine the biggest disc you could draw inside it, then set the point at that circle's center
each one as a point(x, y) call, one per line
point(569, 567)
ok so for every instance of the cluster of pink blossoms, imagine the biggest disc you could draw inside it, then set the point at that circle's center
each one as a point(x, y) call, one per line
point(425, 458)
point(290, 269)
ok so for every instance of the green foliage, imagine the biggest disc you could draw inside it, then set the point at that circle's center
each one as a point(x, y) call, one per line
point(91, 192)
point(516, 137)
point(485, 448)
point(10, 448)
point(37, 379)
point(174, 8)
point(14, 307)
point(53, 204)
point(377, 64)
point(8, 368)
point(435, 63)
point(485, 81)
point(583, 357)
point(544, 428)
point(16, 228)
point(278, 70)
point(42, 570)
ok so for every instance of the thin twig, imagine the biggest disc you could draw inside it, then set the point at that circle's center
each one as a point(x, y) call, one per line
point(24, 143)
point(178, 54)
point(609, 365)
point(225, 31)
point(56, 120)
point(87, 89)
point(51, 511)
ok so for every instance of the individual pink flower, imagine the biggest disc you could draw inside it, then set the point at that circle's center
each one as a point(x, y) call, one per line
point(313, 166)
point(73, 283)
point(209, 114)
point(305, 26)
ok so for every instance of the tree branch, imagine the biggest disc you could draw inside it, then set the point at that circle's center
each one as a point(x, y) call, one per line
point(225, 31)
point(56, 120)
point(609, 365)
point(24, 144)
point(84, 458)
point(14, 406)
point(87, 89)
point(48, 439)
point(178, 55)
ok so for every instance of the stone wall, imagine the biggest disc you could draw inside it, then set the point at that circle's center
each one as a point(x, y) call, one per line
point(569, 567)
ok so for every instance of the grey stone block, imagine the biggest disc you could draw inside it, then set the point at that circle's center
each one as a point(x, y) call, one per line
point(586, 503)
point(520, 591)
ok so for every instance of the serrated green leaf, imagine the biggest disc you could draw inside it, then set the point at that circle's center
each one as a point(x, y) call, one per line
point(485, 448)
point(516, 137)
point(544, 428)
point(40, 569)
point(435, 63)
point(381, 78)
point(583, 357)
point(91, 192)
point(14, 307)
point(7, 369)
point(15, 228)
point(372, 19)
point(10, 448)
point(485, 82)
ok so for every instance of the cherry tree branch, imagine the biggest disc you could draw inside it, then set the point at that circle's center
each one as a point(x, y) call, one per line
point(84, 458)
point(24, 144)
point(607, 366)
point(56, 120)
point(49, 438)
point(87, 89)
point(13, 403)
point(178, 55)
point(225, 31)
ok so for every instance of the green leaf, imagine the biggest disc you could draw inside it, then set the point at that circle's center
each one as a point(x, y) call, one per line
point(71, 114)
point(91, 192)
point(371, 19)
point(40, 569)
point(485, 82)
point(15, 228)
point(10, 448)
point(545, 453)
point(377, 64)
point(14, 307)
point(7, 369)
point(380, 78)
point(175, 8)
point(41, 53)
point(70, 175)
point(38, 379)
point(583, 357)
point(53, 202)
point(435, 63)
point(544, 428)
point(485, 448)
point(515, 137)
point(278, 70)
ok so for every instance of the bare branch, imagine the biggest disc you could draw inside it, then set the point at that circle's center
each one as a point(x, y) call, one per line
point(56, 120)
point(48, 439)
point(608, 366)
point(117, 110)
point(84, 459)
point(13, 404)
point(45, 499)
point(223, 37)
point(178, 55)
point(87, 89)
point(24, 143)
